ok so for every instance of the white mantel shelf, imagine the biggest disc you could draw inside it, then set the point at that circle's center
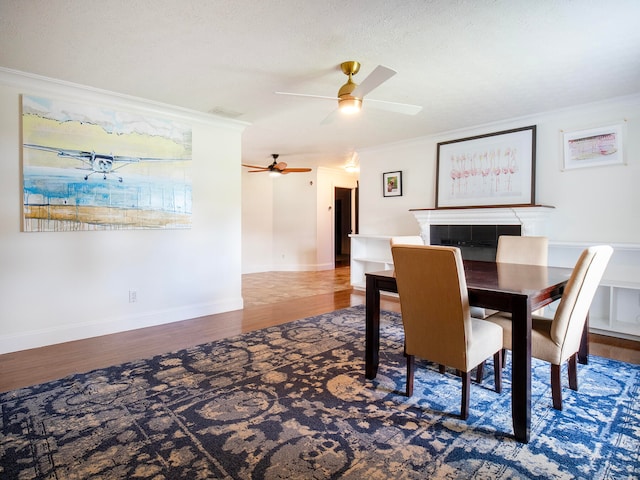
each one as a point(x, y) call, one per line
point(533, 219)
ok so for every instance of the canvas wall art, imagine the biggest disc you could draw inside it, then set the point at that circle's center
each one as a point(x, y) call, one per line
point(90, 167)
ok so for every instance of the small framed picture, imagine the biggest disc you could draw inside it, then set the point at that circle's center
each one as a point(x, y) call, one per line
point(392, 184)
point(593, 148)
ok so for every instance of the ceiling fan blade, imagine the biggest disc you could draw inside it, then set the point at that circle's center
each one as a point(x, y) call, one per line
point(280, 166)
point(254, 166)
point(403, 108)
point(289, 170)
point(307, 95)
point(376, 78)
point(330, 118)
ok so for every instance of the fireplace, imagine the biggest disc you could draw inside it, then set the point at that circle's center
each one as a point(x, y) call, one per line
point(476, 242)
point(476, 230)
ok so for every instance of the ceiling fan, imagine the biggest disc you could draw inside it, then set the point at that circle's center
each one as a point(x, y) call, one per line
point(351, 95)
point(276, 168)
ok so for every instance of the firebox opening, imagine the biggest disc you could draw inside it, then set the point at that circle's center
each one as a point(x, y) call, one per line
point(476, 242)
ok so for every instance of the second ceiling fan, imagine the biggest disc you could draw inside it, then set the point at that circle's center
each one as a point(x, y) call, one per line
point(276, 168)
point(351, 95)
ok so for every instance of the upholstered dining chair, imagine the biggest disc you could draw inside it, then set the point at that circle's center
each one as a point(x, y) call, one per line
point(517, 249)
point(557, 340)
point(435, 313)
point(406, 240)
point(525, 250)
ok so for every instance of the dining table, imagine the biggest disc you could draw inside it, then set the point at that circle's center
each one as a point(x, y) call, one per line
point(507, 287)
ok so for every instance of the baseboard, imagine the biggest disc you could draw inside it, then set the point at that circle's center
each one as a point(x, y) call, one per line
point(96, 328)
point(289, 268)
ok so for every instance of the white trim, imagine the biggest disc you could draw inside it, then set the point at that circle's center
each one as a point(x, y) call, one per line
point(67, 333)
point(38, 84)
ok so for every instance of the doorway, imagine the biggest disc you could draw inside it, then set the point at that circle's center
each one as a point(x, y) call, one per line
point(342, 226)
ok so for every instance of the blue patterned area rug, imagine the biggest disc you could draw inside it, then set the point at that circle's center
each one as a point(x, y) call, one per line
point(291, 402)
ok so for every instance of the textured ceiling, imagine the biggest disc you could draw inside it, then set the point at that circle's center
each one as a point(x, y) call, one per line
point(466, 62)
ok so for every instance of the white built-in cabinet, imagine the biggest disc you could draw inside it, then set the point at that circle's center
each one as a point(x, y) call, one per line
point(615, 309)
point(369, 253)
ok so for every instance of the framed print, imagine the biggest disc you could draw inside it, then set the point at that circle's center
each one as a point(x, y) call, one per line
point(487, 170)
point(594, 147)
point(392, 184)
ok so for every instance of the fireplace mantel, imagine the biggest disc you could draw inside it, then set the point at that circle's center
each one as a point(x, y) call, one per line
point(533, 219)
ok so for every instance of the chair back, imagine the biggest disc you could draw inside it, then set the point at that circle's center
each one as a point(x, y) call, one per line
point(525, 250)
point(434, 302)
point(406, 240)
point(568, 322)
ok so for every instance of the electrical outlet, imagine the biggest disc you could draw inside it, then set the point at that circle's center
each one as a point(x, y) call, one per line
point(133, 296)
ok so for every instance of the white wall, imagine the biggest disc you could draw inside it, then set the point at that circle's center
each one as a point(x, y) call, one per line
point(294, 222)
point(61, 286)
point(288, 221)
point(257, 222)
point(597, 204)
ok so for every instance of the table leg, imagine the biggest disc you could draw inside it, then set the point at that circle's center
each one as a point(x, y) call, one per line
point(372, 336)
point(521, 368)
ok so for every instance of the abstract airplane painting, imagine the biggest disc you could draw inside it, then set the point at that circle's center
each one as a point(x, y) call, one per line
point(88, 167)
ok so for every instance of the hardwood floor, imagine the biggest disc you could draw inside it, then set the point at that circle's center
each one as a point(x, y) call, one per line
point(271, 298)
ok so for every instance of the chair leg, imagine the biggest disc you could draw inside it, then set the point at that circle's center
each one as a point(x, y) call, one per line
point(479, 372)
point(466, 386)
point(556, 387)
point(572, 370)
point(442, 369)
point(497, 371)
point(410, 369)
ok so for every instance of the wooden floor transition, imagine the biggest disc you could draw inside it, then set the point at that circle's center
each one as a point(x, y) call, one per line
point(270, 298)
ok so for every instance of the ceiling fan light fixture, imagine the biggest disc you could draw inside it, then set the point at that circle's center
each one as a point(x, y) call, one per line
point(349, 104)
point(351, 95)
point(275, 173)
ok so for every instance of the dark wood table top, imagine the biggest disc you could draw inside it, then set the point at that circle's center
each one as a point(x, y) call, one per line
point(531, 280)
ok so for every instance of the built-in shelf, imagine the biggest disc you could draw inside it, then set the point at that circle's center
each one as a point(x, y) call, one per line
point(615, 309)
point(369, 253)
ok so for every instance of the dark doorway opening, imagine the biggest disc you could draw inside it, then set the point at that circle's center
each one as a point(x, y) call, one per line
point(342, 229)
